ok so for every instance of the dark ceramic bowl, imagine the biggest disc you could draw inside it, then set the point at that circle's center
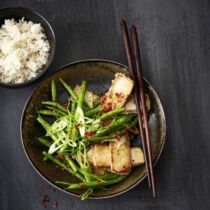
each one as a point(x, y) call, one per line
point(99, 74)
point(29, 15)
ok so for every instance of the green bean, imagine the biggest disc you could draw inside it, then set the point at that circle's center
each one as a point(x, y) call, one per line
point(132, 124)
point(51, 108)
point(62, 165)
point(87, 172)
point(93, 111)
point(108, 176)
point(114, 125)
point(43, 141)
point(95, 184)
point(55, 104)
point(62, 183)
point(80, 102)
point(125, 125)
point(96, 102)
point(46, 126)
point(120, 128)
point(75, 168)
point(111, 113)
point(102, 138)
point(53, 91)
point(71, 163)
point(82, 94)
point(73, 107)
point(86, 194)
point(43, 122)
point(99, 177)
point(69, 89)
point(49, 113)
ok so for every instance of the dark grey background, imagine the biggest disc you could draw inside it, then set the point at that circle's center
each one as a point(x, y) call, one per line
point(175, 46)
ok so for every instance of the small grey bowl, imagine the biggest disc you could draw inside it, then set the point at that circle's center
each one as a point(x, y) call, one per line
point(17, 13)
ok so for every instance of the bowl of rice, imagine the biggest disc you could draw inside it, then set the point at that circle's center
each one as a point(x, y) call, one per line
point(27, 46)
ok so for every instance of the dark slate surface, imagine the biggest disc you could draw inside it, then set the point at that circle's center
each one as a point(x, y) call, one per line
point(175, 47)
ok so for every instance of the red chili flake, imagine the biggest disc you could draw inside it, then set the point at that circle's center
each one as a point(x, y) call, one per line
point(125, 169)
point(127, 129)
point(108, 107)
point(60, 157)
point(126, 136)
point(103, 99)
point(119, 95)
point(89, 134)
point(106, 122)
point(77, 126)
point(44, 200)
point(55, 204)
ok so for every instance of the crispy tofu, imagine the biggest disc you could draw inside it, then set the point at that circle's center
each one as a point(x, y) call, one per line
point(90, 155)
point(148, 102)
point(121, 84)
point(119, 91)
point(100, 170)
point(114, 157)
point(120, 156)
point(89, 96)
point(130, 105)
point(101, 155)
point(77, 90)
point(137, 156)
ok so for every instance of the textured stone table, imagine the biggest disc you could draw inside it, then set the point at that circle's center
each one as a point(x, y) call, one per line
point(175, 47)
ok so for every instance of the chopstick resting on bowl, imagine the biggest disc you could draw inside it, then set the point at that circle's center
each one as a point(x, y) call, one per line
point(136, 74)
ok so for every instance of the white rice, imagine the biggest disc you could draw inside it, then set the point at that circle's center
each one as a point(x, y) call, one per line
point(24, 50)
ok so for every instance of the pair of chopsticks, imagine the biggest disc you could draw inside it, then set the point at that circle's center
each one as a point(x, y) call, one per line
point(133, 53)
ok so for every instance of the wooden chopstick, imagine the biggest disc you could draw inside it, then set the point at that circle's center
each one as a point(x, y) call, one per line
point(139, 98)
point(135, 46)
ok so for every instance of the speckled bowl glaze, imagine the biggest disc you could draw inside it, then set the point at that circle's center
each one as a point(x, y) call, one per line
point(98, 74)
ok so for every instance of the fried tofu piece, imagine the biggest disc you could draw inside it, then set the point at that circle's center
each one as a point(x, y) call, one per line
point(121, 156)
point(100, 170)
point(77, 90)
point(90, 155)
point(101, 155)
point(137, 156)
point(148, 102)
point(130, 105)
point(90, 97)
point(121, 84)
point(116, 157)
point(119, 91)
